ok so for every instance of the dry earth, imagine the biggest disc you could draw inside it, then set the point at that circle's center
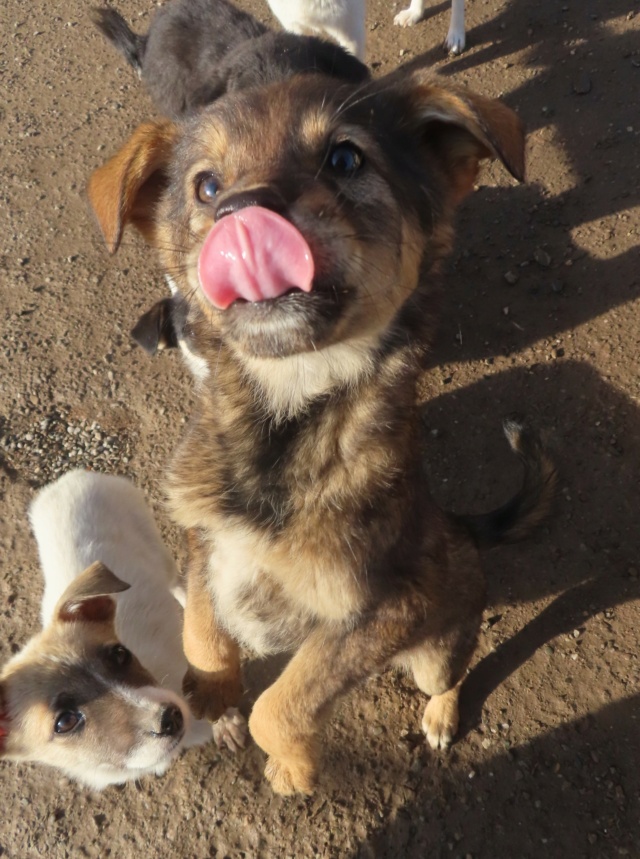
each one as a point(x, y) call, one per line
point(548, 758)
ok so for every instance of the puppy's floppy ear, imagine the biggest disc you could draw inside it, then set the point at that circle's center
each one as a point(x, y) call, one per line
point(155, 330)
point(87, 599)
point(463, 128)
point(128, 186)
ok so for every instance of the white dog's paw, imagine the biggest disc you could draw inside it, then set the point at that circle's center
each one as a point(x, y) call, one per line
point(230, 730)
point(407, 18)
point(455, 41)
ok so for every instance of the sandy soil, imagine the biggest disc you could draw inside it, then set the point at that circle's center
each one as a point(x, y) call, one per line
point(547, 760)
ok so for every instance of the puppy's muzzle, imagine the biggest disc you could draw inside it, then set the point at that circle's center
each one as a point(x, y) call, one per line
point(265, 197)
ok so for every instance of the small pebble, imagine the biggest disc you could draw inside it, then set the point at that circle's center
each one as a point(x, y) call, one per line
point(542, 257)
point(582, 85)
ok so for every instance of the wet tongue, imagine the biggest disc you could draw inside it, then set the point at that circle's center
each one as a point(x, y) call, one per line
point(253, 254)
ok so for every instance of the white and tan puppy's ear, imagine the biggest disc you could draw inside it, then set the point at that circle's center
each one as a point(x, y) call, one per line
point(126, 188)
point(88, 598)
point(462, 128)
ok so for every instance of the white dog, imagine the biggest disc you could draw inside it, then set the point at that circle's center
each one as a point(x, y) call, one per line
point(344, 21)
point(97, 692)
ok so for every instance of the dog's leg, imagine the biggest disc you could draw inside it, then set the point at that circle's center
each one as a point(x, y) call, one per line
point(409, 17)
point(212, 682)
point(455, 41)
point(438, 669)
point(287, 717)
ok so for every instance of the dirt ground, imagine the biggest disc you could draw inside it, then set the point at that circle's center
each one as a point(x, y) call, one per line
point(541, 317)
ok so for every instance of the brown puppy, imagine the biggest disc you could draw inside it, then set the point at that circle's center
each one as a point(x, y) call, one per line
point(307, 223)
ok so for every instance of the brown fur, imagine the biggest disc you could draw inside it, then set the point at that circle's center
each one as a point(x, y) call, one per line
point(299, 477)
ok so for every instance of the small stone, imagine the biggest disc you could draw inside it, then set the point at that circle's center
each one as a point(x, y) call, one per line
point(582, 85)
point(505, 311)
point(511, 277)
point(592, 838)
point(542, 257)
point(557, 286)
point(558, 353)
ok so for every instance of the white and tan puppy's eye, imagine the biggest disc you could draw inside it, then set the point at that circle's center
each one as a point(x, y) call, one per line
point(119, 656)
point(68, 721)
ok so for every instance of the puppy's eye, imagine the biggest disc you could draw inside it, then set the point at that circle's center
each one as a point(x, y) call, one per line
point(207, 187)
point(119, 656)
point(67, 721)
point(345, 158)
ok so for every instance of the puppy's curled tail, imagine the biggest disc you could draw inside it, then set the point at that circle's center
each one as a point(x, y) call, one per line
point(531, 504)
point(114, 28)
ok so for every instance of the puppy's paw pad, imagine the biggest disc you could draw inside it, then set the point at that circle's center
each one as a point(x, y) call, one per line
point(406, 18)
point(288, 780)
point(230, 730)
point(440, 723)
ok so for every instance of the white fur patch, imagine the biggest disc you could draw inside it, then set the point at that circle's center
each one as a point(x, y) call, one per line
point(289, 384)
point(232, 574)
point(342, 20)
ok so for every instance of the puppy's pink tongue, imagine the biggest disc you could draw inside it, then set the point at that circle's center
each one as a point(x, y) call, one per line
point(253, 254)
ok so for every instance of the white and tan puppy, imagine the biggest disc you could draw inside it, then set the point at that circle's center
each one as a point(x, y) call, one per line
point(96, 692)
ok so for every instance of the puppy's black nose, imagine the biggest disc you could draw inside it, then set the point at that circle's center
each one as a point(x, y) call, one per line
point(172, 721)
point(263, 196)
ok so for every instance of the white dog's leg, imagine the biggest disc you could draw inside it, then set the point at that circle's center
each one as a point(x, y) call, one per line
point(230, 730)
point(455, 41)
point(354, 45)
point(409, 17)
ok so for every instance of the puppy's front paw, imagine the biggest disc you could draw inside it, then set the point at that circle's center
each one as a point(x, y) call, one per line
point(455, 41)
point(209, 694)
point(406, 18)
point(440, 720)
point(231, 730)
point(290, 778)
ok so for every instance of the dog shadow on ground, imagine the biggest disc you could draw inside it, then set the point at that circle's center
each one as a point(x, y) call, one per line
point(571, 788)
point(564, 794)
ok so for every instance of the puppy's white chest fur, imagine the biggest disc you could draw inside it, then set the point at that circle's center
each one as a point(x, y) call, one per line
point(249, 602)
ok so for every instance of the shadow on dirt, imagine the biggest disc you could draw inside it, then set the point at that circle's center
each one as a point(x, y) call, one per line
point(571, 789)
point(564, 794)
point(577, 78)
